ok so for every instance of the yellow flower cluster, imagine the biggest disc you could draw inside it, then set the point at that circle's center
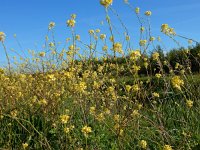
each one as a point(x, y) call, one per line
point(86, 130)
point(143, 42)
point(117, 47)
point(167, 147)
point(51, 25)
point(148, 13)
point(134, 55)
point(167, 30)
point(143, 144)
point(189, 103)
point(177, 82)
point(2, 36)
point(106, 3)
point(64, 118)
point(155, 56)
point(71, 22)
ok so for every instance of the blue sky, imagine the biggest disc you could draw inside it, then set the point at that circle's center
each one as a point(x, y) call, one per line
point(30, 19)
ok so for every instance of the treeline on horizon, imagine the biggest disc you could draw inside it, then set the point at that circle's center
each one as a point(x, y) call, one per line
point(180, 60)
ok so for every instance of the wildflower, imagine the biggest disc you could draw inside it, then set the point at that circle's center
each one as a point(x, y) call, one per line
point(106, 3)
point(105, 48)
point(102, 36)
point(143, 144)
point(51, 25)
point(111, 38)
point(2, 36)
point(92, 110)
point(78, 37)
point(146, 64)
point(100, 117)
point(128, 88)
point(25, 145)
point(73, 16)
point(189, 103)
point(136, 87)
point(71, 23)
point(51, 44)
point(66, 130)
point(64, 118)
point(143, 42)
point(158, 75)
point(164, 28)
point(177, 82)
point(167, 147)
point(127, 38)
point(14, 113)
point(152, 38)
point(135, 113)
point(142, 29)
point(42, 54)
point(148, 13)
point(117, 47)
point(155, 55)
point(137, 10)
point(156, 94)
point(91, 32)
point(43, 102)
point(116, 118)
point(134, 55)
point(97, 30)
point(86, 130)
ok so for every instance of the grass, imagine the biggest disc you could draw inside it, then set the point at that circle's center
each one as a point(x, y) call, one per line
point(55, 101)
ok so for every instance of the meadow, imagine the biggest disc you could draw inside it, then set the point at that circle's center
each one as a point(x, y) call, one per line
point(123, 99)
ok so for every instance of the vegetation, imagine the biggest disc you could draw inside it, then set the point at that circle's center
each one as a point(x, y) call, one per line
point(123, 99)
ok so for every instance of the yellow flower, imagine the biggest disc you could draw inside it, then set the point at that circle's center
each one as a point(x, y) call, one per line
point(2, 36)
point(177, 82)
point(135, 113)
point(143, 144)
point(92, 110)
point(78, 37)
point(137, 10)
point(158, 75)
point(148, 13)
point(14, 113)
point(135, 54)
point(64, 118)
point(25, 145)
point(142, 29)
point(189, 103)
point(164, 28)
point(111, 38)
point(42, 54)
point(116, 118)
point(73, 16)
point(117, 47)
point(155, 55)
point(102, 36)
point(86, 130)
point(66, 130)
point(156, 94)
point(106, 3)
point(128, 88)
point(167, 147)
point(143, 42)
point(71, 23)
point(136, 87)
point(97, 30)
point(51, 25)
point(152, 38)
